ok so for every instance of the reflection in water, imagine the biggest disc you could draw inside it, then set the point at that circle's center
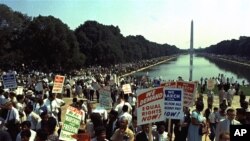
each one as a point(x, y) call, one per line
point(203, 67)
point(240, 70)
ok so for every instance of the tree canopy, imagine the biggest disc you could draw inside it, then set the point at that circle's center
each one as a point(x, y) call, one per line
point(46, 43)
point(239, 47)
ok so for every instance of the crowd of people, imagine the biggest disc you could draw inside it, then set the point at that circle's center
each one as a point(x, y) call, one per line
point(36, 115)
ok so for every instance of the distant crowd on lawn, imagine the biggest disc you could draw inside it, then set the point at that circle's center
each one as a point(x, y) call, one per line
point(35, 112)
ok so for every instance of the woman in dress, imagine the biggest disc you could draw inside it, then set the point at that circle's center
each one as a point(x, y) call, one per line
point(197, 121)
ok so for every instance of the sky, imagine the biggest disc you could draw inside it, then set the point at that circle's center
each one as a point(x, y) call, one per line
point(160, 21)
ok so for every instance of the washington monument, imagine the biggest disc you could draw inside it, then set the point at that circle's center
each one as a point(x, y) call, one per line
point(191, 53)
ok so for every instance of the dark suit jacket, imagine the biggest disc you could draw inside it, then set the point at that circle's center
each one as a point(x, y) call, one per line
point(143, 137)
point(109, 129)
point(5, 136)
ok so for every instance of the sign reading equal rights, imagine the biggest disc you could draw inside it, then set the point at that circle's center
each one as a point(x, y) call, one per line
point(150, 106)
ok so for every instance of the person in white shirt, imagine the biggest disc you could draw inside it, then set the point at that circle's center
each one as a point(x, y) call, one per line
point(3, 99)
point(121, 102)
point(24, 126)
point(126, 114)
point(39, 106)
point(132, 100)
point(212, 123)
point(20, 107)
point(12, 114)
point(12, 120)
point(52, 106)
point(163, 135)
point(230, 95)
point(33, 118)
point(84, 106)
point(60, 103)
point(224, 125)
point(68, 89)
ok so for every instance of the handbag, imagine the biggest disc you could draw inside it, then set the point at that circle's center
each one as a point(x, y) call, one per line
point(203, 130)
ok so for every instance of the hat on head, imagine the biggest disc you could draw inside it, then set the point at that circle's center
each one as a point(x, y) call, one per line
point(29, 92)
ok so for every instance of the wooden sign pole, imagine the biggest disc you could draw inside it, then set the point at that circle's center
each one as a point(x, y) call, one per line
point(150, 136)
point(169, 129)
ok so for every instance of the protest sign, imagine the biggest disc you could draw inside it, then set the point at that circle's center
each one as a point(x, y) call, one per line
point(210, 84)
point(150, 106)
point(71, 124)
point(173, 103)
point(189, 89)
point(9, 81)
point(105, 99)
point(58, 84)
point(171, 84)
point(126, 88)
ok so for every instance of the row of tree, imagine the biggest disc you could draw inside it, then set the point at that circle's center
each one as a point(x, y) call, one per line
point(239, 47)
point(46, 43)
